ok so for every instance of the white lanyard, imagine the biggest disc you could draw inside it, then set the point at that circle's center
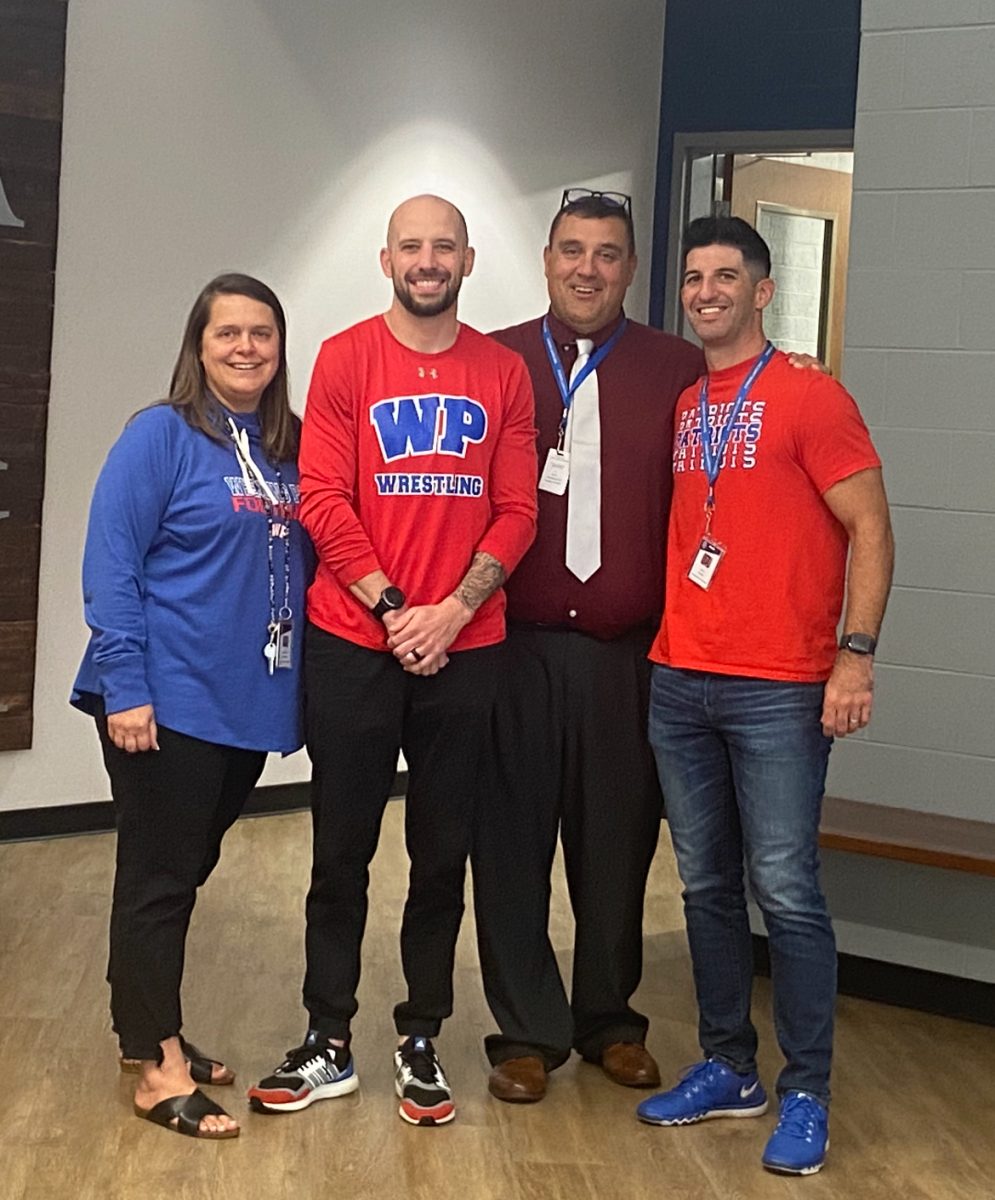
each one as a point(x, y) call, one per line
point(247, 463)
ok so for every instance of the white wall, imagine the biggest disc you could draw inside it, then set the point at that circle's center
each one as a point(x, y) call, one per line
point(274, 137)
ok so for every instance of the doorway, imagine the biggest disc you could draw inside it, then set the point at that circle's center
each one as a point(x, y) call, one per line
point(796, 189)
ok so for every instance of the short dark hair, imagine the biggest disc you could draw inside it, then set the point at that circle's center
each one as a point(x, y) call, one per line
point(729, 231)
point(592, 208)
point(279, 427)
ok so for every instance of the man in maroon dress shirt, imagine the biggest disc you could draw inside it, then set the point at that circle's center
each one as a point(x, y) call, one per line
point(570, 735)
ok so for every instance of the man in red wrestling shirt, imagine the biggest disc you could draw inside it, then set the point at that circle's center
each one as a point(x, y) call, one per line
point(418, 488)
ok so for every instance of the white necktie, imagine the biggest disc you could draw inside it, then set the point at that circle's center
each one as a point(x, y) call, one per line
point(584, 493)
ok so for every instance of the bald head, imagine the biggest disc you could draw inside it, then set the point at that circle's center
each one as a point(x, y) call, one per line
point(428, 208)
point(427, 255)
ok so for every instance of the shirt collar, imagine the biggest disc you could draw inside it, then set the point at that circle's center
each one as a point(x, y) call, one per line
point(564, 335)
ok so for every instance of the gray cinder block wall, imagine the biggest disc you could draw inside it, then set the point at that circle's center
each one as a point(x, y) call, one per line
point(920, 358)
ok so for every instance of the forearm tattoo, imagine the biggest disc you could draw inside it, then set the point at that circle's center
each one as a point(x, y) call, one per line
point(484, 578)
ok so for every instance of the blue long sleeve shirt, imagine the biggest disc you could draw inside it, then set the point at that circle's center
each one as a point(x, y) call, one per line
point(177, 585)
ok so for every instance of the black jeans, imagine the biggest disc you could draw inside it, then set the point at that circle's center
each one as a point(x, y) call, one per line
point(172, 807)
point(361, 708)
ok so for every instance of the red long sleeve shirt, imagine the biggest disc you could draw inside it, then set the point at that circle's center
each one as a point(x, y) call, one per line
point(411, 463)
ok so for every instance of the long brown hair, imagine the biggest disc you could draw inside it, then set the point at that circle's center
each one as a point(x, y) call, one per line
point(279, 427)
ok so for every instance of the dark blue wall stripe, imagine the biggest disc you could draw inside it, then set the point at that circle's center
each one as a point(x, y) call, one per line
point(750, 64)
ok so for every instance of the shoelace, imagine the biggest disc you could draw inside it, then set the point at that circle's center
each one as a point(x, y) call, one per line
point(799, 1117)
point(421, 1064)
point(301, 1055)
point(692, 1077)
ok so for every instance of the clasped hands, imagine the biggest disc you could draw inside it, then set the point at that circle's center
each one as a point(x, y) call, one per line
point(421, 635)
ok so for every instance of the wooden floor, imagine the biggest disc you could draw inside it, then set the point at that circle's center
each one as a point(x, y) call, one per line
point(914, 1115)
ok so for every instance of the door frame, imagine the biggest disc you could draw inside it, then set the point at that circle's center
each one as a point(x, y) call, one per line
point(688, 146)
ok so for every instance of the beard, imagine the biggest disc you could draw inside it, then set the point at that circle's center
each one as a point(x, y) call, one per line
point(420, 306)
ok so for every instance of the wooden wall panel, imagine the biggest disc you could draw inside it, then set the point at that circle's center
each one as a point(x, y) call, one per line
point(32, 61)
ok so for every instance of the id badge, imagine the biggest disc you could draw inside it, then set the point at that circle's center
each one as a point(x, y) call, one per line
point(285, 645)
point(556, 472)
point(706, 562)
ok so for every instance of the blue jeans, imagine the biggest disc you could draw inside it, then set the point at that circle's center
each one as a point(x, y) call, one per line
point(742, 763)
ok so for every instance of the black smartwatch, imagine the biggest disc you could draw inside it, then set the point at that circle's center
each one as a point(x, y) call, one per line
point(391, 599)
point(858, 643)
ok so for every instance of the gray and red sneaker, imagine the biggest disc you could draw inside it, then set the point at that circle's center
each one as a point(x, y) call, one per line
point(426, 1098)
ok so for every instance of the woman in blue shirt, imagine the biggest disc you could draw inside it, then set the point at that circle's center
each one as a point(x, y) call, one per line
point(194, 577)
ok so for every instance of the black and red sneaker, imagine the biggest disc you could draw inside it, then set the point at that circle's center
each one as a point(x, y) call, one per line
point(314, 1071)
point(426, 1098)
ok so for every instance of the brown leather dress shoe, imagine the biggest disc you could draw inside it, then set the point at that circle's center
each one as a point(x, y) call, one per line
point(518, 1080)
point(630, 1064)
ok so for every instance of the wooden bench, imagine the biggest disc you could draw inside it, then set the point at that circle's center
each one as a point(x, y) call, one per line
point(931, 839)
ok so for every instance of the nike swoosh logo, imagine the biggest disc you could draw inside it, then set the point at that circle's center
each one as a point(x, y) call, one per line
point(746, 1092)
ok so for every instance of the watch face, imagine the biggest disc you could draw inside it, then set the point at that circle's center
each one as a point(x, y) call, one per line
point(392, 598)
point(859, 643)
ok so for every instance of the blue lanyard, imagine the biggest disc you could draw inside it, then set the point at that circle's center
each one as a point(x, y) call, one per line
point(711, 454)
point(566, 389)
point(240, 436)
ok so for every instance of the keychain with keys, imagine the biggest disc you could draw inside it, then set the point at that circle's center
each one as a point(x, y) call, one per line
point(270, 650)
point(279, 649)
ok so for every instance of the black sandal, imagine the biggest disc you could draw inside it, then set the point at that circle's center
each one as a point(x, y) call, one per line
point(201, 1066)
point(187, 1112)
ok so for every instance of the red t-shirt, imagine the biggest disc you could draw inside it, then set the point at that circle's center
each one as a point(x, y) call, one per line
point(775, 599)
point(411, 463)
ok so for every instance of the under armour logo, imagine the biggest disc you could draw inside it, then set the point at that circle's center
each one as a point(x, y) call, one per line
point(432, 373)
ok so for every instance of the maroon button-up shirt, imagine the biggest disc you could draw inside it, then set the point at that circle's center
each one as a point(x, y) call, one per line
point(638, 386)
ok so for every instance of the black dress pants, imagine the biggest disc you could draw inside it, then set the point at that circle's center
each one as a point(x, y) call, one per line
point(172, 807)
point(571, 756)
point(361, 707)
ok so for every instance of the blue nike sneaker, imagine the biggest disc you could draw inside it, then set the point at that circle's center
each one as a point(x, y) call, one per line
point(709, 1089)
point(799, 1143)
